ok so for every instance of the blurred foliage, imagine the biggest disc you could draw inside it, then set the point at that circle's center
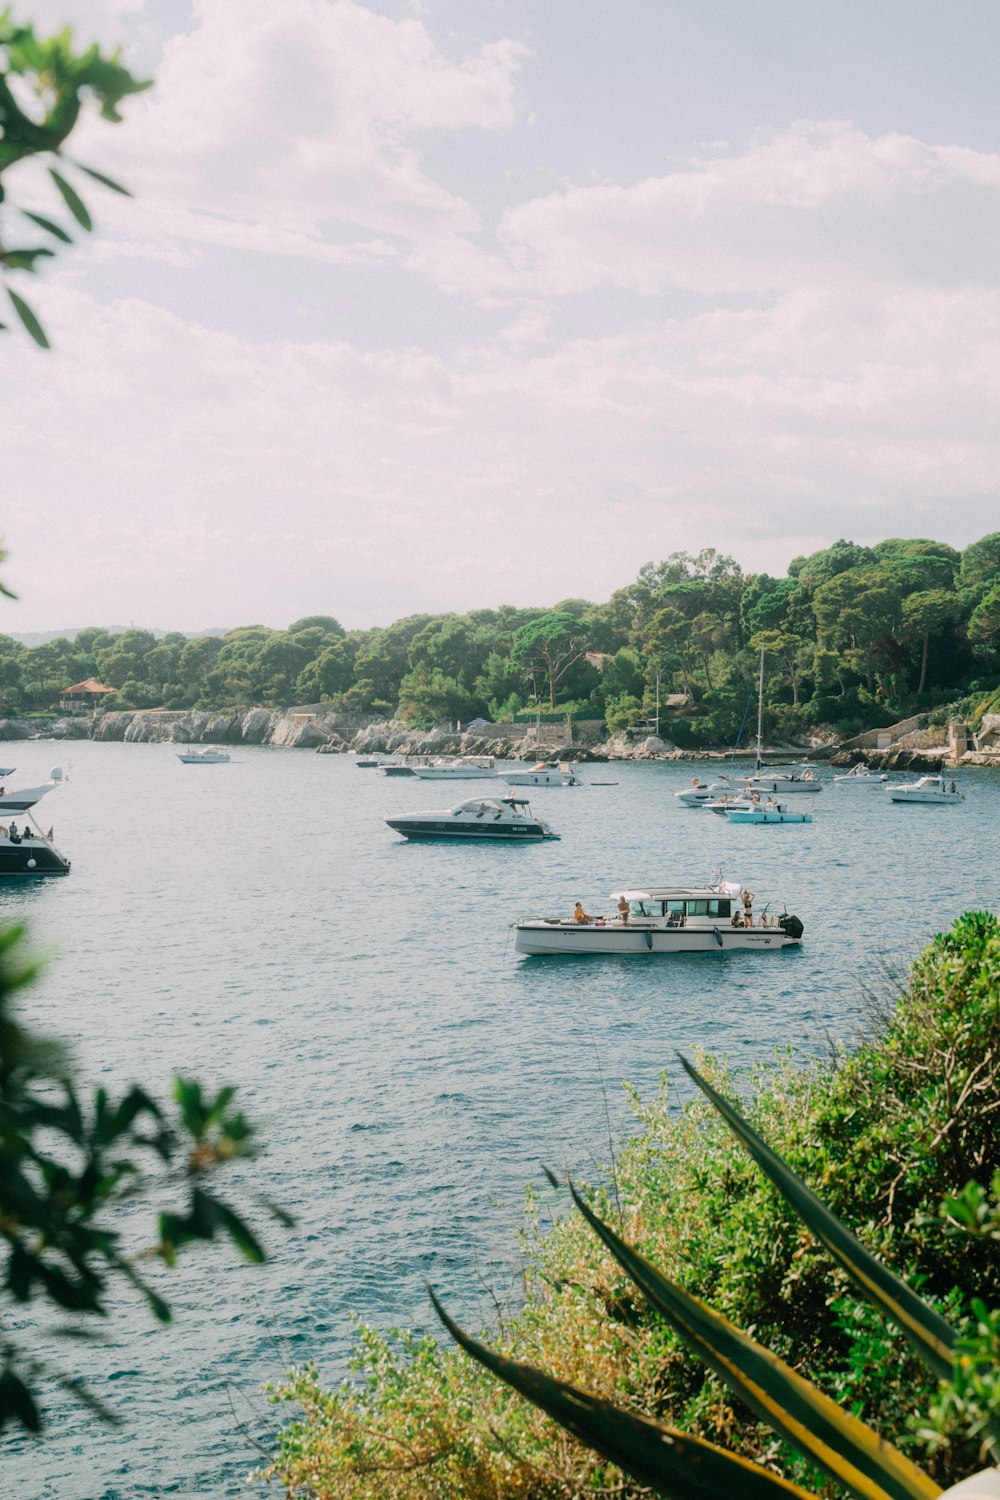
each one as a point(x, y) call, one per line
point(44, 84)
point(76, 1165)
point(901, 1140)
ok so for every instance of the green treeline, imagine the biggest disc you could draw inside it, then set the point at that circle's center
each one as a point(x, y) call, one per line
point(901, 1140)
point(854, 637)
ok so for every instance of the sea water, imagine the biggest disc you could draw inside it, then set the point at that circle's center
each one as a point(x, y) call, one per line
point(257, 923)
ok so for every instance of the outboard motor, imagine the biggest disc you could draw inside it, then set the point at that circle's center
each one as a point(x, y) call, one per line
point(790, 925)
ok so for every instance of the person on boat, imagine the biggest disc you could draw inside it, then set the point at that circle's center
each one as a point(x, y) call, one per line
point(953, 787)
point(579, 915)
point(15, 837)
point(623, 910)
point(747, 898)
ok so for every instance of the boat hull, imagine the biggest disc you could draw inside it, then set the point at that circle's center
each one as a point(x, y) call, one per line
point(30, 859)
point(541, 778)
point(530, 833)
point(765, 815)
point(536, 939)
point(940, 799)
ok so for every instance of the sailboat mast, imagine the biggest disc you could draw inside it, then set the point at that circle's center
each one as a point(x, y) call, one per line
point(760, 710)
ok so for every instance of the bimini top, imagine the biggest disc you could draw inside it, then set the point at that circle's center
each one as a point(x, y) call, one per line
point(681, 892)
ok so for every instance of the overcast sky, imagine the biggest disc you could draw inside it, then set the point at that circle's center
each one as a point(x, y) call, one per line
point(452, 303)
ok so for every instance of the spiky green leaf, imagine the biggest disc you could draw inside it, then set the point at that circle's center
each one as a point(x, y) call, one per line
point(844, 1447)
point(673, 1463)
point(928, 1333)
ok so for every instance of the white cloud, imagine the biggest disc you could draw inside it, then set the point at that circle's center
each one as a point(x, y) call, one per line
point(815, 203)
point(303, 117)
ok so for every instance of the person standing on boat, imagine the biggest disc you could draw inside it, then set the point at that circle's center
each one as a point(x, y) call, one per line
point(747, 898)
point(623, 910)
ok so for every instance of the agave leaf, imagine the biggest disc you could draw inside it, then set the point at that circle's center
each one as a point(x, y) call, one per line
point(673, 1463)
point(931, 1337)
point(848, 1450)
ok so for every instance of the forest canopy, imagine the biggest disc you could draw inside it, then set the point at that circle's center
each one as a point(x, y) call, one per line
point(853, 637)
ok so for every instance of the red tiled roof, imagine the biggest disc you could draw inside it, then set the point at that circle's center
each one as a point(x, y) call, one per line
point(90, 686)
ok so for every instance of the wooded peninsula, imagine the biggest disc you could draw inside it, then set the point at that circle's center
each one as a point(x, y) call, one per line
point(854, 638)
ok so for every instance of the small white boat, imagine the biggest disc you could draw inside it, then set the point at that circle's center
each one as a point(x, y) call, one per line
point(669, 919)
point(210, 756)
point(493, 818)
point(860, 775)
point(546, 773)
point(457, 768)
point(395, 768)
point(700, 792)
point(932, 788)
point(783, 783)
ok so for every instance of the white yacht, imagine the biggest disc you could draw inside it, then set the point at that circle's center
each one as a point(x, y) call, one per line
point(861, 775)
point(493, 818)
point(933, 788)
point(546, 773)
point(210, 756)
point(668, 919)
point(699, 792)
point(24, 848)
point(457, 768)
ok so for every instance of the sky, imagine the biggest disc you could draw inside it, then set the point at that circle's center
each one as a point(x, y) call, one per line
point(431, 305)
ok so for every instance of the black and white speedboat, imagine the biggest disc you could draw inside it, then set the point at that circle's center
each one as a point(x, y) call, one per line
point(24, 848)
point(494, 818)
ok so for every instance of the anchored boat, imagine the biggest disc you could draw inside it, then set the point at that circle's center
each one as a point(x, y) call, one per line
point(494, 818)
point(668, 919)
point(24, 848)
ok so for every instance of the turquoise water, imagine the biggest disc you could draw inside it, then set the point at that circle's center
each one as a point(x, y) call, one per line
point(258, 923)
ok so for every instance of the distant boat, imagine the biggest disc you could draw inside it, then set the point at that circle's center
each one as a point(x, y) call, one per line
point(778, 782)
point(926, 789)
point(492, 818)
point(546, 773)
point(457, 768)
point(860, 775)
point(207, 757)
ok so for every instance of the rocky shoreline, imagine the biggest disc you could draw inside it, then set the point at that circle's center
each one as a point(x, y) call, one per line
point(331, 733)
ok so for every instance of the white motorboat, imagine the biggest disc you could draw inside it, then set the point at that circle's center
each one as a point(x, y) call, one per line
point(210, 756)
point(669, 919)
point(700, 792)
point(546, 773)
point(395, 768)
point(493, 818)
point(24, 848)
point(457, 768)
point(860, 775)
point(932, 788)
